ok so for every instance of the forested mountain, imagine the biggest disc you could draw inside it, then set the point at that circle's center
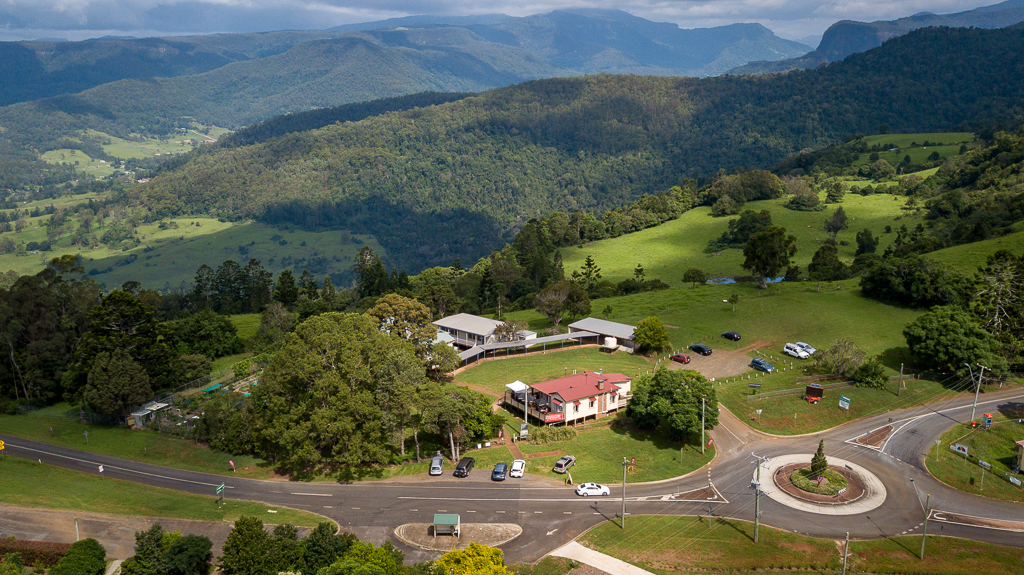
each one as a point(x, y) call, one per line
point(850, 37)
point(457, 180)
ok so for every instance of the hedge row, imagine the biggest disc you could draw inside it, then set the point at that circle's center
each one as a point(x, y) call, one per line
point(33, 552)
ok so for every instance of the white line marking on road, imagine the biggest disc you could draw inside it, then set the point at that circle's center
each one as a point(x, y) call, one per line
point(328, 507)
point(567, 513)
point(471, 512)
point(16, 446)
point(414, 510)
point(897, 430)
point(357, 508)
point(538, 512)
point(315, 494)
point(501, 512)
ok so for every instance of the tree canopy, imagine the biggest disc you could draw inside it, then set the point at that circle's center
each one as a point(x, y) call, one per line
point(670, 401)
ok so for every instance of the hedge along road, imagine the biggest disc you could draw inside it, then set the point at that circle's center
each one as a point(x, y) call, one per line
point(551, 515)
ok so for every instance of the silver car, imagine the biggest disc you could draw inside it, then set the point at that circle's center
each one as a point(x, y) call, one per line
point(806, 347)
point(437, 465)
point(795, 351)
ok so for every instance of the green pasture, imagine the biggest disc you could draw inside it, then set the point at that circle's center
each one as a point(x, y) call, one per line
point(97, 168)
point(918, 155)
point(247, 324)
point(935, 138)
point(30, 484)
point(995, 446)
point(178, 143)
point(967, 258)
point(230, 360)
point(668, 250)
point(174, 256)
point(681, 544)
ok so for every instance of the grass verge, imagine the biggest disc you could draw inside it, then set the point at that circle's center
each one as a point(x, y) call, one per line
point(692, 544)
point(31, 484)
point(994, 446)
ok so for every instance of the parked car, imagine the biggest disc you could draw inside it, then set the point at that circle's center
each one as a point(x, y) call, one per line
point(464, 466)
point(437, 465)
point(499, 472)
point(518, 468)
point(795, 351)
point(563, 464)
point(587, 489)
point(758, 363)
point(701, 349)
point(731, 335)
point(680, 357)
point(806, 347)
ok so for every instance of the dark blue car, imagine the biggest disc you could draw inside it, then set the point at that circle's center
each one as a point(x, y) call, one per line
point(499, 472)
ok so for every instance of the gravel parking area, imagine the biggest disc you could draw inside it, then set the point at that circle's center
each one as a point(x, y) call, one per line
point(721, 362)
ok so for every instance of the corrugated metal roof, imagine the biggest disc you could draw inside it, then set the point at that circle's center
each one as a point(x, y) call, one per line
point(480, 349)
point(604, 327)
point(581, 385)
point(446, 519)
point(469, 323)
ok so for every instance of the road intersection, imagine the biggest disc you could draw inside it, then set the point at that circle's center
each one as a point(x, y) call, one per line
point(551, 515)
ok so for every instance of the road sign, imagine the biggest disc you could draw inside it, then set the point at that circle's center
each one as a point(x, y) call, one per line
point(985, 464)
point(844, 402)
point(524, 430)
point(220, 488)
point(961, 449)
point(1, 445)
point(1013, 480)
point(754, 385)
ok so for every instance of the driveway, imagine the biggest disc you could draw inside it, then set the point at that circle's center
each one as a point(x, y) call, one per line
point(722, 362)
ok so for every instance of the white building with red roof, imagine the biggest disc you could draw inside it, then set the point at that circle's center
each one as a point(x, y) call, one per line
point(574, 398)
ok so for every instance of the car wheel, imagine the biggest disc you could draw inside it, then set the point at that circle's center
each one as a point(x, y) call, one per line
point(814, 403)
point(607, 493)
point(585, 494)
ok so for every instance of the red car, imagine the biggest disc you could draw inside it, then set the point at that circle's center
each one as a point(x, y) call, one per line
point(681, 358)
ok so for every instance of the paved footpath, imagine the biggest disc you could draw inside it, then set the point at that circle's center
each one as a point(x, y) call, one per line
point(605, 563)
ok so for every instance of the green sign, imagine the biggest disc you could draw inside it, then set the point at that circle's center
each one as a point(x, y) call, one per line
point(220, 488)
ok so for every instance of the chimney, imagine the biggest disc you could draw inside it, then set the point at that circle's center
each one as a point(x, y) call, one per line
point(600, 385)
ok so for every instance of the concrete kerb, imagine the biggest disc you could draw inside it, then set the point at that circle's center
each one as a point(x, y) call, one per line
point(873, 497)
point(490, 534)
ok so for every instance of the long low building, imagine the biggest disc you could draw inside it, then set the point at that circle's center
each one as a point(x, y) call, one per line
point(472, 330)
point(621, 334)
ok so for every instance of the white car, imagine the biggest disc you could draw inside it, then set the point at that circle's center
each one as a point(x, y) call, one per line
point(795, 351)
point(518, 468)
point(587, 489)
point(806, 347)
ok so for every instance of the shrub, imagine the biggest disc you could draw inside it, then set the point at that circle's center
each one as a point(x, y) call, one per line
point(542, 435)
point(33, 552)
point(85, 557)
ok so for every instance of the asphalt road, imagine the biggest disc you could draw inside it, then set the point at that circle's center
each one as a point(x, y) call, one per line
point(552, 515)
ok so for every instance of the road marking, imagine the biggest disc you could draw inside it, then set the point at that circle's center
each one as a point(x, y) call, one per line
point(471, 512)
point(9, 444)
point(540, 500)
point(328, 507)
point(567, 513)
point(414, 510)
point(442, 511)
point(501, 512)
point(315, 494)
point(552, 532)
point(538, 512)
point(356, 508)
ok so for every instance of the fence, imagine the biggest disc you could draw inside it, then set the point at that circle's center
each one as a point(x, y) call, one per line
point(797, 390)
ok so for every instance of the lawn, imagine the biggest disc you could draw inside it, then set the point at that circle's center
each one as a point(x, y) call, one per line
point(692, 544)
point(493, 375)
point(668, 250)
point(994, 446)
point(32, 484)
point(967, 258)
point(98, 169)
point(247, 324)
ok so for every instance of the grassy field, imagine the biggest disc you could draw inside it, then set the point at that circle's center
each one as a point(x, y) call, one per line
point(668, 250)
point(30, 484)
point(152, 147)
point(995, 446)
point(492, 376)
point(690, 544)
point(968, 258)
point(137, 445)
point(247, 324)
point(98, 169)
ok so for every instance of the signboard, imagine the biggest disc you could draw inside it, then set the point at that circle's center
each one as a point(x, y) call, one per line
point(524, 430)
point(844, 402)
point(550, 417)
point(1, 445)
point(754, 385)
point(961, 449)
point(1013, 480)
point(220, 488)
point(985, 464)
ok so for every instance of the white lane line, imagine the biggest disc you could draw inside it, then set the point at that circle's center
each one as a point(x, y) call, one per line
point(315, 494)
point(895, 431)
point(471, 512)
point(357, 508)
point(328, 507)
point(9, 444)
point(542, 500)
point(414, 510)
point(501, 512)
point(538, 512)
point(567, 513)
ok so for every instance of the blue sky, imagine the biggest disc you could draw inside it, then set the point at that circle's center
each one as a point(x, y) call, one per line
point(80, 19)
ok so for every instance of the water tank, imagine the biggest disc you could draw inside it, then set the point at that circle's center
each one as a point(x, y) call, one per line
point(611, 342)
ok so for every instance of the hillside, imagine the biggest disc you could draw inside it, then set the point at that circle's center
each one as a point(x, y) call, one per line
point(457, 180)
point(850, 37)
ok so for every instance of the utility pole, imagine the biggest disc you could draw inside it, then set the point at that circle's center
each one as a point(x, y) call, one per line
point(757, 493)
point(623, 523)
point(927, 512)
point(846, 551)
point(899, 386)
point(977, 388)
point(702, 402)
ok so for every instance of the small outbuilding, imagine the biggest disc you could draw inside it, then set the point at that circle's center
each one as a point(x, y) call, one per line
point(446, 524)
point(620, 335)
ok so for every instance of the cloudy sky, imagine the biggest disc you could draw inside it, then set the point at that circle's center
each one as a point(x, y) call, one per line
point(80, 19)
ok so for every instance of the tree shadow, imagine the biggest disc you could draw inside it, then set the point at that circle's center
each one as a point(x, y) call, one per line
point(896, 356)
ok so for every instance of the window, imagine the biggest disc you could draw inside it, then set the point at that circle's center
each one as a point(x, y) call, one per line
point(591, 405)
point(575, 409)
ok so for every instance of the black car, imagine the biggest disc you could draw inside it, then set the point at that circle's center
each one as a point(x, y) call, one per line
point(731, 335)
point(701, 349)
point(464, 467)
point(499, 472)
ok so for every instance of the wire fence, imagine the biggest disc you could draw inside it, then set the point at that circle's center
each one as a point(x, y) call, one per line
point(797, 390)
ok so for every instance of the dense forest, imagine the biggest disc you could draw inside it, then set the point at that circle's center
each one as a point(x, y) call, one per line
point(457, 180)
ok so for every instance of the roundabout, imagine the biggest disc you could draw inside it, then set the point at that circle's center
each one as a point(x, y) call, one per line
point(864, 492)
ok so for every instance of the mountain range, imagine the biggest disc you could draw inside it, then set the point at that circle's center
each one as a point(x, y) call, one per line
point(850, 37)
